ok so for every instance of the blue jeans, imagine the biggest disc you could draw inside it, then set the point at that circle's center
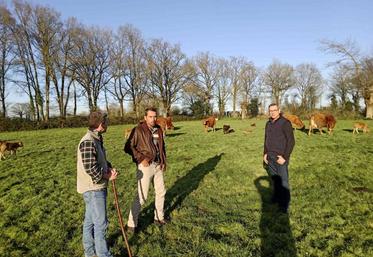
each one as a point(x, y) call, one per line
point(95, 224)
point(280, 179)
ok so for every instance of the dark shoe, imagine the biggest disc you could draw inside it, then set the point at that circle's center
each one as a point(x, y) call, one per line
point(283, 210)
point(274, 200)
point(161, 222)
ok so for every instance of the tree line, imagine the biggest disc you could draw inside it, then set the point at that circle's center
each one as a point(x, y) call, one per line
point(56, 62)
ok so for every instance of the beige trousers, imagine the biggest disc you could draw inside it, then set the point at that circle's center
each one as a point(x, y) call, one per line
point(146, 175)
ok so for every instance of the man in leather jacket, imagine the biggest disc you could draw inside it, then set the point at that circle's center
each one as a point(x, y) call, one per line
point(146, 146)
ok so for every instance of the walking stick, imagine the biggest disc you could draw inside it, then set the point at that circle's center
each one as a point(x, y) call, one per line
point(121, 219)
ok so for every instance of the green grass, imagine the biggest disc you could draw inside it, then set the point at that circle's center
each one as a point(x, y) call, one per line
point(218, 195)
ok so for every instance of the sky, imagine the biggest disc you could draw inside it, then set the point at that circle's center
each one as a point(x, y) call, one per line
point(287, 30)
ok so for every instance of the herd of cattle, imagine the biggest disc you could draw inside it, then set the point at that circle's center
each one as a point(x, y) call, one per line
point(317, 121)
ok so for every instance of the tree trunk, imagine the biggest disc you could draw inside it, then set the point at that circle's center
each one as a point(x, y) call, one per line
point(369, 105)
point(121, 106)
point(75, 101)
point(47, 95)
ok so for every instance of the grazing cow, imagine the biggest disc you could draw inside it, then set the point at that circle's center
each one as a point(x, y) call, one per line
point(210, 122)
point(253, 125)
point(296, 122)
point(360, 125)
point(127, 132)
point(10, 147)
point(320, 120)
point(165, 124)
point(227, 129)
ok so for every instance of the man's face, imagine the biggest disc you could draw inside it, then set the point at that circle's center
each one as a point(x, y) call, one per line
point(274, 112)
point(150, 118)
point(103, 126)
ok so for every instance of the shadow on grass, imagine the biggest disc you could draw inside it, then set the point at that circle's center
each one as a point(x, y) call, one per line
point(304, 130)
point(174, 198)
point(187, 184)
point(317, 131)
point(348, 130)
point(174, 134)
point(180, 190)
point(276, 236)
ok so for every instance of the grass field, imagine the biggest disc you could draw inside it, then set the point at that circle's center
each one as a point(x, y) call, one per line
point(218, 195)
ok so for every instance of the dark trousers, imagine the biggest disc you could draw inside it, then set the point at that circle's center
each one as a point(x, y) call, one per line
point(280, 182)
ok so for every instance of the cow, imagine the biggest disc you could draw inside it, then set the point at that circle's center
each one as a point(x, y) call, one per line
point(296, 122)
point(10, 147)
point(209, 122)
point(320, 120)
point(127, 132)
point(226, 129)
point(165, 123)
point(360, 125)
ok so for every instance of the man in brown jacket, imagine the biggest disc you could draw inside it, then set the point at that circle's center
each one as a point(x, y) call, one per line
point(146, 146)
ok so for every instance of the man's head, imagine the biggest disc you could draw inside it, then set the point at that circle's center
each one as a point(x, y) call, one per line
point(98, 121)
point(274, 111)
point(150, 116)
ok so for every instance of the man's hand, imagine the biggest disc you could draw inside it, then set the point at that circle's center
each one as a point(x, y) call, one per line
point(280, 160)
point(145, 163)
point(265, 158)
point(111, 174)
point(163, 167)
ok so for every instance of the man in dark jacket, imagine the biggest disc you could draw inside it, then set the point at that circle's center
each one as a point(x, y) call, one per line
point(278, 145)
point(146, 146)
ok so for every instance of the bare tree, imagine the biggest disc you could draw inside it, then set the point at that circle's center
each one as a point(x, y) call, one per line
point(279, 78)
point(128, 68)
point(62, 73)
point(22, 110)
point(45, 28)
point(235, 66)
point(349, 54)
point(341, 84)
point(91, 61)
point(27, 60)
point(222, 89)
point(6, 54)
point(248, 79)
point(206, 77)
point(168, 71)
point(308, 82)
point(367, 80)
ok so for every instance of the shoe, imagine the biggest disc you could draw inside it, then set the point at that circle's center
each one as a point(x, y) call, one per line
point(161, 222)
point(284, 210)
point(130, 229)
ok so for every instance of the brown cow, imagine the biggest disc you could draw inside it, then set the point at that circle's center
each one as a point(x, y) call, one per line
point(10, 147)
point(296, 122)
point(320, 120)
point(209, 122)
point(165, 123)
point(127, 132)
point(360, 125)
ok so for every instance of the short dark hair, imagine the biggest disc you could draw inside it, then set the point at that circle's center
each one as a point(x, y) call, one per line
point(152, 109)
point(272, 104)
point(95, 119)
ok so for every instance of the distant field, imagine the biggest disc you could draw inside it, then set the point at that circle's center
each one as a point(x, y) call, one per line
point(218, 195)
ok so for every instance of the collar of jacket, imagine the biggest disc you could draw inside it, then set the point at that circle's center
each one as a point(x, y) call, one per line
point(145, 126)
point(95, 134)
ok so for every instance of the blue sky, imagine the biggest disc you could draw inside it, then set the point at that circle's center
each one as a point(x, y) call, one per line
point(288, 30)
point(260, 30)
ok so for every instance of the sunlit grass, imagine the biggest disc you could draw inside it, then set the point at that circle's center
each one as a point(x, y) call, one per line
point(218, 195)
